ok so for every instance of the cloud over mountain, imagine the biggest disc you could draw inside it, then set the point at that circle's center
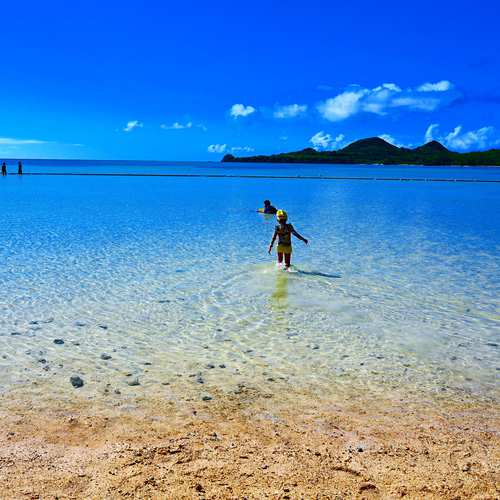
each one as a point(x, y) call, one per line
point(458, 139)
point(322, 140)
point(217, 148)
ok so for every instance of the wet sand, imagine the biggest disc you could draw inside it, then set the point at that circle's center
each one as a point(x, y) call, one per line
point(249, 446)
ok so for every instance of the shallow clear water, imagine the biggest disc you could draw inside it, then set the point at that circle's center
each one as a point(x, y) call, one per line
point(399, 287)
point(258, 169)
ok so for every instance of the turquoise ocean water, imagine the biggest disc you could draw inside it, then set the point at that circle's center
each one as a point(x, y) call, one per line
point(169, 279)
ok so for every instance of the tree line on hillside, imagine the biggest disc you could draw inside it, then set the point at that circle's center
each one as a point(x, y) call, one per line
point(375, 150)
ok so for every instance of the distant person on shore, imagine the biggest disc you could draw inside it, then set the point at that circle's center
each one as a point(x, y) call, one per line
point(268, 208)
point(19, 168)
point(283, 232)
point(4, 169)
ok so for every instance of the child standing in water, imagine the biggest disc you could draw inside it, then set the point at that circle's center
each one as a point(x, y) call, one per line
point(283, 232)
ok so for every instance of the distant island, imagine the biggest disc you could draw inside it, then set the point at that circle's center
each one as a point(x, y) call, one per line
point(375, 150)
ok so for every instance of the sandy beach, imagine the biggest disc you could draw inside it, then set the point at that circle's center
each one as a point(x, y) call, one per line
point(250, 446)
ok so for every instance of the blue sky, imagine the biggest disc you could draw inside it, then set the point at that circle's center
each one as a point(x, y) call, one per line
point(191, 80)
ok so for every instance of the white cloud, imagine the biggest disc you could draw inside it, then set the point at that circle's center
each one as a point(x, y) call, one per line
point(341, 106)
point(182, 126)
point(290, 110)
point(176, 126)
point(338, 140)
point(441, 86)
point(376, 100)
point(322, 140)
point(241, 110)
point(479, 138)
point(217, 148)
point(391, 140)
point(429, 133)
point(389, 86)
point(245, 149)
point(384, 98)
point(388, 138)
point(132, 124)
point(419, 103)
point(458, 139)
point(16, 142)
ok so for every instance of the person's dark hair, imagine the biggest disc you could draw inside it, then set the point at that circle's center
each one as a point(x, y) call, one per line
point(267, 203)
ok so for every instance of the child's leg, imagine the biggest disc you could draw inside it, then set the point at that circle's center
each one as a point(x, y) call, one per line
point(288, 259)
point(280, 257)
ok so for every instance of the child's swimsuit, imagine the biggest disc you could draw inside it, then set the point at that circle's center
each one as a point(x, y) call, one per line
point(284, 238)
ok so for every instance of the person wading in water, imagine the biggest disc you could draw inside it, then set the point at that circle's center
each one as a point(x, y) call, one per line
point(283, 232)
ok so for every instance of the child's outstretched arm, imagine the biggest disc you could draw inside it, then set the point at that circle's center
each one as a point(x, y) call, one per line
point(297, 235)
point(272, 241)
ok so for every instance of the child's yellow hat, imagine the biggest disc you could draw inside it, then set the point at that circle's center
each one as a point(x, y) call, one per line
point(281, 214)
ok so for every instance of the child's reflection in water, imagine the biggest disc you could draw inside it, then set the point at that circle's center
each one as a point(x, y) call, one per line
point(279, 298)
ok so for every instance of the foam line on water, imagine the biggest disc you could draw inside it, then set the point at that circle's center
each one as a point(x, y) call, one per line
point(289, 177)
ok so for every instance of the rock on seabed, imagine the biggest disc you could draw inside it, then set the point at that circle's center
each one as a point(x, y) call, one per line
point(76, 381)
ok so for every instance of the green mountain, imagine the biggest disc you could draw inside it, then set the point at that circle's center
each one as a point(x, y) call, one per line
point(432, 147)
point(375, 150)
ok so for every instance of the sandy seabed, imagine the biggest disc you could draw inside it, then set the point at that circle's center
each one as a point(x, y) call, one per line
point(249, 446)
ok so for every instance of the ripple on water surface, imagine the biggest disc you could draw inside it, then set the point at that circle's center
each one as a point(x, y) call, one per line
point(138, 283)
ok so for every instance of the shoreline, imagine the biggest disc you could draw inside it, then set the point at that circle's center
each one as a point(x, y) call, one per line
point(251, 445)
point(316, 163)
